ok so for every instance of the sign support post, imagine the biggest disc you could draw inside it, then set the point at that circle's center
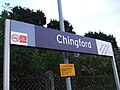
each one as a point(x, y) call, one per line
point(115, 73)
point(65, 55)
point(6, 77)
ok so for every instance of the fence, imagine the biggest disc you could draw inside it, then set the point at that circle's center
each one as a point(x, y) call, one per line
point(92, 73)
point(78, 83)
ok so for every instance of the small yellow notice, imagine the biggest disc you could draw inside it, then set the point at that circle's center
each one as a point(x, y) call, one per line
point(67, 70)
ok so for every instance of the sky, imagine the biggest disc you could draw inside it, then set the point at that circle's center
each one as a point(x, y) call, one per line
point(84, 15)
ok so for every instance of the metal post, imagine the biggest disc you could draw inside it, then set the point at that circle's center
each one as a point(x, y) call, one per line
point(65, 57)
point(115, 73)
point(6, 69)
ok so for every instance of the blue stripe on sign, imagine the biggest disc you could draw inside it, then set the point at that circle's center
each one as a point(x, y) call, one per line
point(57, 40)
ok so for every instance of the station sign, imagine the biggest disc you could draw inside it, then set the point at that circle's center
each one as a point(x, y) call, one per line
point(40, 37)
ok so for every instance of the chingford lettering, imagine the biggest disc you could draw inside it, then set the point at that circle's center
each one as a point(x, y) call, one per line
point(75, 42)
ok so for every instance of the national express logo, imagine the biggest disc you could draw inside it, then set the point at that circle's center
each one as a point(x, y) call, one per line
point(19, 38)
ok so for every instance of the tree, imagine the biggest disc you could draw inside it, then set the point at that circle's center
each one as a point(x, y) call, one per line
point(102, 36)
point(27, 15)
point(54, 24)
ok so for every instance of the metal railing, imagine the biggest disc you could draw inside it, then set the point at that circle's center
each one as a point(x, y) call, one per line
point(43, 82)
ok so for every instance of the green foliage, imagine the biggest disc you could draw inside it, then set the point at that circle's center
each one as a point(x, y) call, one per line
point(28, 61)
point(51, 60)
point(1, 48)
point(102, 36)
point(54, 24)
point(22, 59)
point(91, 65)
point(27, 15)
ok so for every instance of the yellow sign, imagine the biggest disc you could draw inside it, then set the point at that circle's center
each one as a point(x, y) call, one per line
point(67, 70)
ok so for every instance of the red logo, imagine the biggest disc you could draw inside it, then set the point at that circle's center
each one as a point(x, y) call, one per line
point(23, 39)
